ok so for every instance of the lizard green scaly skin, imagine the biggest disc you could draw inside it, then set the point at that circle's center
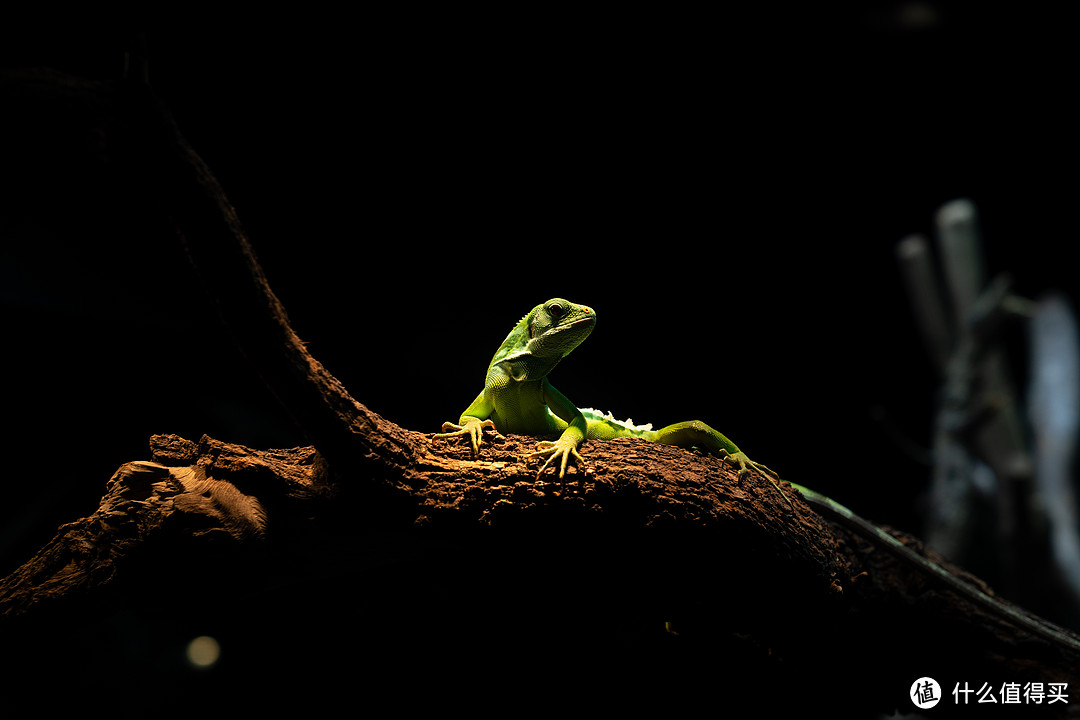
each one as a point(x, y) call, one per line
point(518, 398)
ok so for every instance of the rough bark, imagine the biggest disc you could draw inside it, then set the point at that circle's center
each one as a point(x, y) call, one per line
point(654, 575)
point(655, 553)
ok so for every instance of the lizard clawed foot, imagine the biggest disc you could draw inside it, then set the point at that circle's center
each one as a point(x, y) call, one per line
point(473, 429)
point(556, 450)
point(745, 465)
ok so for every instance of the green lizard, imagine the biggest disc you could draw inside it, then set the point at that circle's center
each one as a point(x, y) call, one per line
point(518, 398)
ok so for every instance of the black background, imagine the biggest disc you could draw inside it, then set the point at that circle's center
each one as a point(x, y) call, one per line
point(726, 191)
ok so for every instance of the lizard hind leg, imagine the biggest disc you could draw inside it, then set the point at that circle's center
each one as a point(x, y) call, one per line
point(694, 433)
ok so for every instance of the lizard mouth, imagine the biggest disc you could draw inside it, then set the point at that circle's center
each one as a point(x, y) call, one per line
point(576, 324)
point(571, 326)
point(587, 320)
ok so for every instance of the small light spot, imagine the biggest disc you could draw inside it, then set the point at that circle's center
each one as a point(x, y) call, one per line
point(917, 16)
point(203, 651)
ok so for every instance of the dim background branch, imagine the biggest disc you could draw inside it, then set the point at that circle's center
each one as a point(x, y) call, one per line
point(1002, 501)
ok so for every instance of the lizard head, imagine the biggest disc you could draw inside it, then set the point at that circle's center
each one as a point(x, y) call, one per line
point(558, 326)
point(544, 337)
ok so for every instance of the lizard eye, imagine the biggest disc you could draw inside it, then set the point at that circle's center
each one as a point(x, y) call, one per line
point(555, 310)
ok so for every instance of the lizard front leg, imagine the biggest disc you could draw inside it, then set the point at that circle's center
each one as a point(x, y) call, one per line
point(566, 446)
point(559, 450)
point(471, 427)
point(472, 422)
